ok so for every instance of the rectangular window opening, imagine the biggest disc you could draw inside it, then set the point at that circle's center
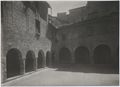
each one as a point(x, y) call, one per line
point(37, 26)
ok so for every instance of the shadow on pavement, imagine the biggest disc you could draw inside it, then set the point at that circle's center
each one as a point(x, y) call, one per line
point(103, 69)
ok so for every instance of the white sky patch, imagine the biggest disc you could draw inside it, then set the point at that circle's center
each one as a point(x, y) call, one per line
point(65, 6)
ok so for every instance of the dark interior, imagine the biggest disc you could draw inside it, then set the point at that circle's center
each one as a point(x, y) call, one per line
point(64, 55)
point(82, 55)
point(102, 55)
point(13, 62)
point(29, 63)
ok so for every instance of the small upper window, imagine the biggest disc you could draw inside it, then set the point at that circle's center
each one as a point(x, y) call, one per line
point(37, 22)
point(37, 26)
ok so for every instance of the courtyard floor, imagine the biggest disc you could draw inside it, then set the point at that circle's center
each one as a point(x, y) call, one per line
point(68, 77)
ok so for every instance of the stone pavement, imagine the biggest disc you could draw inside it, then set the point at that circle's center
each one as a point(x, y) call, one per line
point(54, 77)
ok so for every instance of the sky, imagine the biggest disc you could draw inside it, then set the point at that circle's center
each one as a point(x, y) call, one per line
point(64, 6)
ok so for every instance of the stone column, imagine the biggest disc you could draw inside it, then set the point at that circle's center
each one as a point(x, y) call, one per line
point(72, 58)
point(4, 76)
point(22, 68)
point(35, 64)
point(3, 69)
point(50, 59)
point(44, 62)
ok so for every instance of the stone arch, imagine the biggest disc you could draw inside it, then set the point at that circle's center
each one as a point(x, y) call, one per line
point(102, 54)
point(48, 58)
point(64, 55)
point(40, 59)
point(14, 62)
point(30, 61)
point(82, 55)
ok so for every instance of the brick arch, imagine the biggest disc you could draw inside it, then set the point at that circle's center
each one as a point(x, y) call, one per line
point(64, 55)
point(82, 55)
point(14, 62)
point(30, 61)
point(102, 54)
point(40, 59)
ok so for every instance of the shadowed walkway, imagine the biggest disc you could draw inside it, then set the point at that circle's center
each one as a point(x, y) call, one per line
point(88, 68)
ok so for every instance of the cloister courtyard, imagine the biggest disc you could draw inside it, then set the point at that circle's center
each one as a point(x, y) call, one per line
point(72, 75)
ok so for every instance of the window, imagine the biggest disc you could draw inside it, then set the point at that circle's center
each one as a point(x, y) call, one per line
point(43, 12)
point(37, 26)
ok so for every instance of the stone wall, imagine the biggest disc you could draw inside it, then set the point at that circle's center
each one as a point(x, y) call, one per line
point(100, 8)
point(18, 31)
point(77, 14)
point(90, 34)
point(93, 9)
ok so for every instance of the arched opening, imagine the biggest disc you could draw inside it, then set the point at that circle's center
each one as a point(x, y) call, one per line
point(64, 56)
point(82, 55)
point(117, 59)
point(30, 61)
point(102, 55)
point(48, 60)
point(118, 56)
point(14, 62)
point(40, 59)
point(53, 58)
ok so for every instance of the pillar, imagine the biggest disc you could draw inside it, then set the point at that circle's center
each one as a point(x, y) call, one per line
point(35, 64)
point(50, 59)
point(3, 69)
point(72, 57)
point(22, 68)
point(44, 61)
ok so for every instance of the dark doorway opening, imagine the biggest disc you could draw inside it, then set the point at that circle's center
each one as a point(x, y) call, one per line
point(14, 62)
point(64, 56)
point(117, 57)
point(82, 55)
point(116, 63)
point(40, 59)
point(102, 55)
point(48, 55)
point(53, 58)
point(30, 61)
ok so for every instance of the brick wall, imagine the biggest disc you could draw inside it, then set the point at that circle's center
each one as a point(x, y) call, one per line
point(90, 33)
point(18, 31)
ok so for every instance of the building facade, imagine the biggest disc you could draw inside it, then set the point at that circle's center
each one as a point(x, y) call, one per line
point(24, 25)
point(91, 41)
point(29, 42)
